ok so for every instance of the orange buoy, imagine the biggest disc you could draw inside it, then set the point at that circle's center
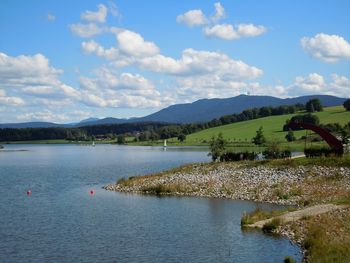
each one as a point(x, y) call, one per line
point(29, 192)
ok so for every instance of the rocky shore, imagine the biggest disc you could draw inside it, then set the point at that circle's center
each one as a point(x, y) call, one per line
point(301, 185)
point(297, 185)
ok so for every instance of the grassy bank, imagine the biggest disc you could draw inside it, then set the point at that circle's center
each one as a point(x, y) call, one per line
point(239, 134)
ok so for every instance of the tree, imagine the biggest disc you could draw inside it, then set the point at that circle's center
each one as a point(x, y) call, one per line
point(314, 105)
point(346, 104)
point(259, 138)
point(181, 137)
point(290, 136)
point(217, 147)
point(121, 139)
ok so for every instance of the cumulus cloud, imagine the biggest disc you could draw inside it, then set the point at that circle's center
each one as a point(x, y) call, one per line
point(44, 115)
point(8, 100)
point(32, 76)
point(87, 30)
point(111, 89)
point(27, 70)
point(98, 16)
point(329, 48)
point(317, 84)
point(219, 12)
point(192, 18)
point(133, 44)
point(224, 31)
point(195, 62)
point(227, 32)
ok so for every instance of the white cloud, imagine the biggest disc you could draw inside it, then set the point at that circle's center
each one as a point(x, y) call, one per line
point(44, 115)
point(340, 86)
point(98, 16)
point(87, 30)
point(224, 31)
point(329, 48)
point(192, 18)
point(317, 84)
point(312, 84)
point(27, 70)
point(133, 44)
point(194, 62)
point(2, 93)
point(6, 100)
point(50, 17)
point(110, 89)
point(219, 12)
point(250, 30)
point(227, 32)
point(33, 76)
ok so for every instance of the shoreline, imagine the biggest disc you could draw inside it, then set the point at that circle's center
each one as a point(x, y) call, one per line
point(284, 185)
point(292, 184)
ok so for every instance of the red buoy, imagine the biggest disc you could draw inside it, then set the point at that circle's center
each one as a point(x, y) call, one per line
point(92, 192)
point(29, 192)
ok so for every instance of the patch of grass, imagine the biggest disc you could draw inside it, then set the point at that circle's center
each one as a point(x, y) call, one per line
point(343, 161)
point(328, 238)
point(161, 189)
point(280, 193)
point(271, 226)
point(258, 214)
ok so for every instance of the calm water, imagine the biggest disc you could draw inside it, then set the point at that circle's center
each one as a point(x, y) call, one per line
point(61, 222)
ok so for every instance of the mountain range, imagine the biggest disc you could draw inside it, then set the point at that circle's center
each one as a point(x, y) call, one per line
point(198, 111)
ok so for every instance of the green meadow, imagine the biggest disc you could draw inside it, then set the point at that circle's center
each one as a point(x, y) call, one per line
point(241, 133)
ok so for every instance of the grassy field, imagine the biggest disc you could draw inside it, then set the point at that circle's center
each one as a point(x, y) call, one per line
point(241, 133)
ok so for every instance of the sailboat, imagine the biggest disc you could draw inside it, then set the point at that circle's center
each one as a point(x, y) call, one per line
point(164, 144)
point(93, 143)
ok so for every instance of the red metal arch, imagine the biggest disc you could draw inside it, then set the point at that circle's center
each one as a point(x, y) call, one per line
point(332, 141)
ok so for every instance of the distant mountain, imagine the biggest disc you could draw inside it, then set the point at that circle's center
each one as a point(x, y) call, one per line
point(108, 120)
point(37, 124)
point(89, 120)
point(198, 111)
point(208, 109)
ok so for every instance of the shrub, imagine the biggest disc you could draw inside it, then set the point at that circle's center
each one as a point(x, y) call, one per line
point(237, 156)
point(346, 104)
point(321, 152)
point(272, 225)
point(288, 260)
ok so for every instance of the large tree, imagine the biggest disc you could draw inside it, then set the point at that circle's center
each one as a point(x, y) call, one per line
point(314, 105)
point(346, 104)
point(217, 147)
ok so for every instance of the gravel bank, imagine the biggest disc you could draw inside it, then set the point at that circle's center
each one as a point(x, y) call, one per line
point(300, 185)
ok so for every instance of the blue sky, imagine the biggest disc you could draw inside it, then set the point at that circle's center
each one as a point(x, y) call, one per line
point(63, 61)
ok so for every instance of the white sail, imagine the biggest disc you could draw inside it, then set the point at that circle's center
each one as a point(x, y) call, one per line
point(164, 143)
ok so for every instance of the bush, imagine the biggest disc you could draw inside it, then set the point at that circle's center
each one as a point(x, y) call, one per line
point(238, 156)
point(272, 225)
point(346, 104)
point(321, 152)
point(288, 260)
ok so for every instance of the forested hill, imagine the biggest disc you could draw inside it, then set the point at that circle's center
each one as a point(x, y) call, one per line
point(199, 111)
point(208, 109)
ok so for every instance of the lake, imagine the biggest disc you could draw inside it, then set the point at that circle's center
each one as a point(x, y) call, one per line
point(61, 222)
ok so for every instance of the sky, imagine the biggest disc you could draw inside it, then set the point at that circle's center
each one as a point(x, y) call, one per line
point(64, 61)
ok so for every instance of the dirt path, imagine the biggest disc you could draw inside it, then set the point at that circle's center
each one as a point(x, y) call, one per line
point(296, 215)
